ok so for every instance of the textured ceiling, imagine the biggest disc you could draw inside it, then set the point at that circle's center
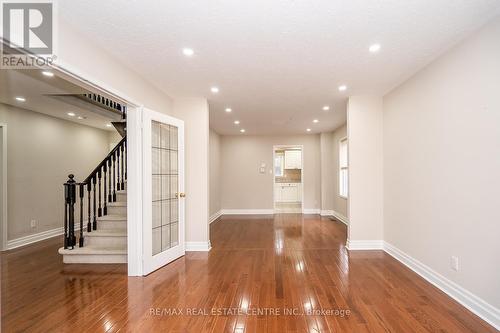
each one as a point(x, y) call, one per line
point(277, 62)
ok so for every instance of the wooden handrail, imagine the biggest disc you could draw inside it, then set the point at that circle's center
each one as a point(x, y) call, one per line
point(99, 167)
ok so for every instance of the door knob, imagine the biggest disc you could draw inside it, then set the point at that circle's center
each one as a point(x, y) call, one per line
point(182, 195)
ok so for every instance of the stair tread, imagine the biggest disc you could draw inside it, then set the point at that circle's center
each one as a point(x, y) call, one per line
point(117, 204)
point(113, 217)
point(100, 250)
point(106, 233)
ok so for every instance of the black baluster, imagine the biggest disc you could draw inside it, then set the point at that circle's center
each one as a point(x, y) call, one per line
point(82, 186)
point(118, 184)
point(123, 167)
point(89, 194)
point(114, 177)
point(99, 210)
point(110, 194)
point(105, 168)
point(94, 224)
point(126, 155)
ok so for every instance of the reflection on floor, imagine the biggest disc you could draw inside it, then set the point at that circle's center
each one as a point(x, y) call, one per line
point(288, 207)
point(281, 273)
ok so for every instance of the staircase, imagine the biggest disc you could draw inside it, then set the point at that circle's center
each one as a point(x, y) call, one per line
point(102, 199)
point(108, 243)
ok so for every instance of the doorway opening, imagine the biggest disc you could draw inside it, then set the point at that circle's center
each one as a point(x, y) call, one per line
point(288, 179)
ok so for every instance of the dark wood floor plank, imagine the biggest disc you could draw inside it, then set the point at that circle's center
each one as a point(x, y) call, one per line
point(288, 261)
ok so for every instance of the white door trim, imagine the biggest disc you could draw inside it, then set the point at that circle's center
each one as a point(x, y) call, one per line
point(4, 216)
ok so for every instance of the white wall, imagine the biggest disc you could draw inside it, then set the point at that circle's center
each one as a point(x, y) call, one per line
point(442, 164)
point(243, 187)
point(194, 111)
point(364, 127)
point(42, 151)
point(328, 171)
point(215, 173)
point(339, 203)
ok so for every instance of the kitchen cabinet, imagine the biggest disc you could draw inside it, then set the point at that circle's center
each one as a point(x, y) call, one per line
point(293, 159)
point(288, 192)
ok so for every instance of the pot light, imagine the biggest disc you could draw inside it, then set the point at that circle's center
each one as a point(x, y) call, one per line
point(374, 48)
point(342, 88)
point(309, 130)
point(49, 74)
point(20, 99)
point(81, 118)
point(71, 114)
point(242, 130)
point(109, 125)
point(188, 52)
point(236, 122)
point(315, 121)
point(326, 108)
point(229, 110)
point(214, 90)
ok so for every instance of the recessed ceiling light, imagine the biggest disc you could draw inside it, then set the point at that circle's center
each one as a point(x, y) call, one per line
point(214, 90)
point(374, 48)
point(81, 118)
point(188, 52)
point(71, 114)
point(109, 125)
point(20, 99)
point(242, 130)
point(326, 108)
point(315, 121)
point(342, 88)
point(49, 74)
point(309, 130)
point(236, 122)
point(228, 110)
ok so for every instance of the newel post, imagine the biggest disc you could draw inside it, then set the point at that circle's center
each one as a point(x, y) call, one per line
point(69, 212)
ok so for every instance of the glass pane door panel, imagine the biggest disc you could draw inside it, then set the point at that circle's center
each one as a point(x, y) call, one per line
point(165, 187)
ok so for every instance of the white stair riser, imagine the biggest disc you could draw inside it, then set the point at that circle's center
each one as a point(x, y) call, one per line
point(110, 225)
point(95, 259)
point(121, 197)
point(117, 210)
point(109, 241)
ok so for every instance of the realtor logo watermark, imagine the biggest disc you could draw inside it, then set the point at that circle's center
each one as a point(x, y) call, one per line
point(28, 34)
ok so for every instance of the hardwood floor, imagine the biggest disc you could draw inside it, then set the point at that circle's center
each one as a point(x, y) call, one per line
point(265, 266)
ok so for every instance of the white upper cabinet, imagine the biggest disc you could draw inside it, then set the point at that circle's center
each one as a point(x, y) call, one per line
point(293, 159)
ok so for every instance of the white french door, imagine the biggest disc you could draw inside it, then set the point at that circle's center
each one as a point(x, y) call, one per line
point(163, 190)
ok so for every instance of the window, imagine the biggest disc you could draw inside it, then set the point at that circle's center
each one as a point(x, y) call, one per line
point(343, 169)
point(279, 161)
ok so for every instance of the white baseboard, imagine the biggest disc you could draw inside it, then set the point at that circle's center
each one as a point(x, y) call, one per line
point(30, 239)
point(247, 211)
point(478, 306)
point(215, 216)
point(311, 211)
point(335, 214)
point(198, 246)
point(354, 245)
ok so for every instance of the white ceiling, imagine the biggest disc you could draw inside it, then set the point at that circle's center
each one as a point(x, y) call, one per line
point(277, 62)
point(38, 90)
